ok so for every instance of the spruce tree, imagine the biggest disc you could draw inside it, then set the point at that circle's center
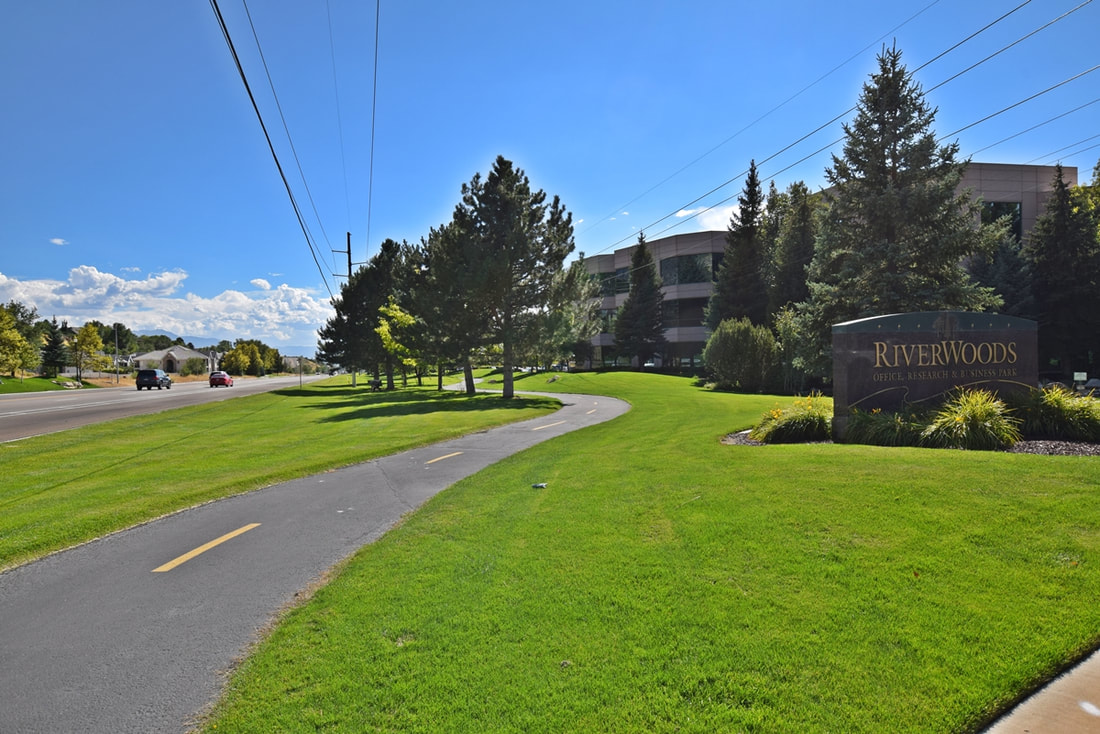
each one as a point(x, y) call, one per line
point(55, 352)
point(739, 290)
point(794, 247)
point(1064, 254)
point(639, 325)
point(894, 234)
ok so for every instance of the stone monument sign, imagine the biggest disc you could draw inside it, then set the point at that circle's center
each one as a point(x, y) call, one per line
point(887, 362)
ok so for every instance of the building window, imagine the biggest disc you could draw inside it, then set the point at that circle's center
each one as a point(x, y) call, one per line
point(684, 312)
point(687, 269)
point(622, 280)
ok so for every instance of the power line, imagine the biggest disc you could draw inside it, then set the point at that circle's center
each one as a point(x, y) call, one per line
point(270, 146)
point(282, 118)
point(373, 109)
point(848, 111)
point(770, 112)
point(1034, 127)
point(1022, 101)
point(339, 116)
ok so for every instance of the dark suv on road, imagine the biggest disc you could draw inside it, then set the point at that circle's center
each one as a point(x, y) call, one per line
point(153, 378)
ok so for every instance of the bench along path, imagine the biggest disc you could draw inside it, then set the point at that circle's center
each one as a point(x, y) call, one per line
point(132, 632)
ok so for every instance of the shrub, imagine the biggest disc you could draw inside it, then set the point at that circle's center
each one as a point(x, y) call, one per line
point(806, 419)
point(742, 356)
point(193, 366)
point(879, 428)
point(972, 419)
point(1058, 413)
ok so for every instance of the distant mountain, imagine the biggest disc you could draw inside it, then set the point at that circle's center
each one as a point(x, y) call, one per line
point(209, 341)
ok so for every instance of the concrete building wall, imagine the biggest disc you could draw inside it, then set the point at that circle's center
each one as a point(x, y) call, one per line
point(1030, 186)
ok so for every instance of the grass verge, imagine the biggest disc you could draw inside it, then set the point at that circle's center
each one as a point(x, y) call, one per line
point(662, 581)
point(69, 487)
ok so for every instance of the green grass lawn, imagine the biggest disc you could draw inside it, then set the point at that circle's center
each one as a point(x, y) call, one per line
point(35, 383)
point(662, 581)
point(69, 487)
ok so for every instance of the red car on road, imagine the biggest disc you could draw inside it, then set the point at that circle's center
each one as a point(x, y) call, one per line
point(220, 378)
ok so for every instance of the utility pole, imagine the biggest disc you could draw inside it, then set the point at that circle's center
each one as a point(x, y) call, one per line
point(354, 368)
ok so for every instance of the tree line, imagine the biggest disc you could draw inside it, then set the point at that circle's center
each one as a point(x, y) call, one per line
point(29, 343)
point(891, 234)
point(489, 285)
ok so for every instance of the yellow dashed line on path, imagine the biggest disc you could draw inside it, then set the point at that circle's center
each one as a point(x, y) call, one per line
point(441, 458)
point(203, 548)
point(548, 425)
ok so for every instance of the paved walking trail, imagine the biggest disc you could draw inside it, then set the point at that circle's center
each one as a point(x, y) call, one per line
point(133, 632)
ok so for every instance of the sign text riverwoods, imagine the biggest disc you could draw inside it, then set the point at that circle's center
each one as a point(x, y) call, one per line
point(886, 362)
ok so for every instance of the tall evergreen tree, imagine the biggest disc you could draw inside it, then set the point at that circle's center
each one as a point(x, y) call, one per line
point(895, 232)
point(1064, 253)
point(794, 247)
point(739, 290)
point(776, 210)
point(443, 300)
point(518, 243)
point(55, 352)
point(639, 325)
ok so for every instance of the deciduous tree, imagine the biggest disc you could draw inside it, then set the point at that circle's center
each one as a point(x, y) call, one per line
point(87, 350)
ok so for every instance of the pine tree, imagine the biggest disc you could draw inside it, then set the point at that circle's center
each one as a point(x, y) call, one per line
point(739, 290)
point(55, 352)
point(1064, 254)
point(639, 325)
point(895, 233)
point(794, 247)
point(518, 243)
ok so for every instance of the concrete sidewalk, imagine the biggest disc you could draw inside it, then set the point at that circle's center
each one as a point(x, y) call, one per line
point(1070, 704)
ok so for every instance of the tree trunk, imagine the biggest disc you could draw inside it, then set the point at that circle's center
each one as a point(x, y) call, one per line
point(509, 382)
point(468, 371)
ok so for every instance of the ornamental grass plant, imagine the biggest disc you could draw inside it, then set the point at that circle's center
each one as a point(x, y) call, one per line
point(972, 419)
point(1058, 413)
point(886, 428)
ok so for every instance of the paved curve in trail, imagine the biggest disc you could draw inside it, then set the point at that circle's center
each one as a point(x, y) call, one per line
point(112, 637)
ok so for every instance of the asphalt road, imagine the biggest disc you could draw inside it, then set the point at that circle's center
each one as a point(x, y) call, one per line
point(31, 414)
point(133, 632)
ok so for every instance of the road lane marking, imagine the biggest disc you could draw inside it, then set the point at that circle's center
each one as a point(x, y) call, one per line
point(548, 425)
point(591, 412)
point(441, 458)
point(203, 548)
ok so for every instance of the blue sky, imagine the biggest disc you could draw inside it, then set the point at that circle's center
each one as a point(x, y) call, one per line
point(137, 185)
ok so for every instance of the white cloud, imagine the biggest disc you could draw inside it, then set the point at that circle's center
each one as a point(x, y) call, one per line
point(58, 241)
point(717, 218)
point(282, 315)
point(261, 284)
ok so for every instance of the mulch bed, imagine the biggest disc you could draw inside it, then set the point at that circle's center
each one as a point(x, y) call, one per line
point(1048, 448)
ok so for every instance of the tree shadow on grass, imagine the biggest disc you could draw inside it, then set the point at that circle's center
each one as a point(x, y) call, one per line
point(358, 405)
